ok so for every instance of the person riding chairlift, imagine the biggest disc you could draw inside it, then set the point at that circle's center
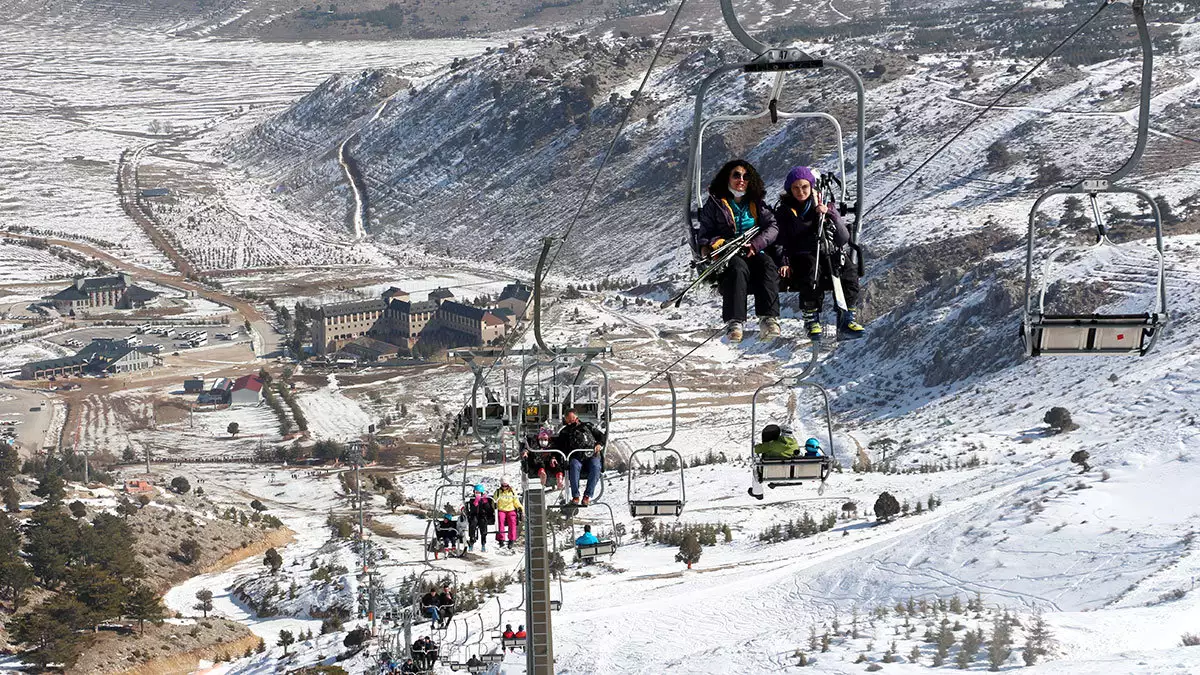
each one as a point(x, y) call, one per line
point(798, 213)
point(777, 443)
point(577, 435)
point(734, 205)
point(587, 538)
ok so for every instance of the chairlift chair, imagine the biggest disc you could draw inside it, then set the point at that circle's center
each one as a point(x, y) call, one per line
point(642, 507)
point(779, 61)
point(1097, 333)
point(795, 470)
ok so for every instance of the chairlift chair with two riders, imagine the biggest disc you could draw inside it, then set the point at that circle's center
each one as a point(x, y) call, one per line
point(640, 507)
point(795, 470)
point(433, 543)
point(1099, 333)
point(779, 61)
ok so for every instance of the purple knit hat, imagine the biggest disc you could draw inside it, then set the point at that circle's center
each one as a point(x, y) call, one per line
point(799, 173)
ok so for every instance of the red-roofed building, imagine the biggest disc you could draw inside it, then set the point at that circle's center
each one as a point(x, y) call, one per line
point(247, 390)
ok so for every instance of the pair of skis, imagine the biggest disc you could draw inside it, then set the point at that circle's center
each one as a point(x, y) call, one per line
point(714, 263)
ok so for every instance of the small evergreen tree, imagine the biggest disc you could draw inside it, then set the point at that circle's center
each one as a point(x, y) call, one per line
point(286, 639)
point(180, 485)
point(1081, 458)
point(273, 560)
point(205, 603)
point(886, 507)
point(51, 487)
point(233, 429)
point(1037, 643)
point(189, 551)
point(690, 550)
point(1000, 648)
point(77, 509)
point(143, 605)
point(1059, 420)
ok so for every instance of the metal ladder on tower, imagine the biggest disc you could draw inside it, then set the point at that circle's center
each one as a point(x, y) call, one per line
point(539, 652)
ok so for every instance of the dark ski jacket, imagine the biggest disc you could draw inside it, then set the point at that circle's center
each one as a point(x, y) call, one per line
point(798, 228)
point(481, 510)
point(428, 600)
point(716, 222)
point(577, 437)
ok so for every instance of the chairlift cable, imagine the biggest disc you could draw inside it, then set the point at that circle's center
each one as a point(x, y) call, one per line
point(659, 373)
point(612, 144)
point(1103, 5)
point(592, 185)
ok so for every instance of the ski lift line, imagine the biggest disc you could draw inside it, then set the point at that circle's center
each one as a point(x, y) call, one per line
point(1145, 117)
point(612, 144)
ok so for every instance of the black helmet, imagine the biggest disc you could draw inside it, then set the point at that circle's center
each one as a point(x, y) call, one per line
point(771, 432)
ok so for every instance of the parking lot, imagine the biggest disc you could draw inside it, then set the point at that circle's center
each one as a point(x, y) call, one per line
point(82, 336)
point(25, 416)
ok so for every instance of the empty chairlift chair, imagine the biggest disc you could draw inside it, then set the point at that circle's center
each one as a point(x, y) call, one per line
point(640, 507)
point(1099, 333)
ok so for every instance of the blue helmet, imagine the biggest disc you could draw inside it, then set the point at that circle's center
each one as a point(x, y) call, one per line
point(812, 444)
point(479, 488)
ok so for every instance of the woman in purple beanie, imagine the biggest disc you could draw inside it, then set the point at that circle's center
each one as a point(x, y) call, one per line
point(798, 214)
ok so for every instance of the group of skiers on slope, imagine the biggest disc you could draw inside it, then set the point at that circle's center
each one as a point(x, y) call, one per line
point(783, 256)
point(779, 443)
point(477, 514)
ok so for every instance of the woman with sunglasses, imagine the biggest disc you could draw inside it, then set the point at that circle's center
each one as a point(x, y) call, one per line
point(799, 212)
point(734, 205)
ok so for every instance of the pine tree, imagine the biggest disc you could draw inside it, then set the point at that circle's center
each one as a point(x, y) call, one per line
point(825, 642)
point(143, 605)
point(1000, 647)
point(98, 591)
point(15, 575)
point(1037, 643)
point(812, 638)
point(50, 536)
point(914, 656)
point(273, 560)
point(205, 597)
point(286, 639)
point(945, 640)
point(51, 487)
point(690, 550)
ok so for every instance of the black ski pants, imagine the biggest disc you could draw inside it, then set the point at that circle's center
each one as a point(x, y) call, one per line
point(479, 529)
point(812, 296)
point(757, 274)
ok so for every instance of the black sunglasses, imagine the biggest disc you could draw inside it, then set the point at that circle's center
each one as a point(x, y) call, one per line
point(738, 175)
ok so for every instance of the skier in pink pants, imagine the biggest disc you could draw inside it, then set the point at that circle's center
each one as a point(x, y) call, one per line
point(507, 506)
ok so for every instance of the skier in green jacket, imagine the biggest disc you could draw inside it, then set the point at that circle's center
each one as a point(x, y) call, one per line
point(775, 445)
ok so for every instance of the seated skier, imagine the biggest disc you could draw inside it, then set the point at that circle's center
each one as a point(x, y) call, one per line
point(544, 465)
point(577, 435)
point(447, 531)
point(808, 262)
point(734, 205)
point(775, 445)
point(587, 538)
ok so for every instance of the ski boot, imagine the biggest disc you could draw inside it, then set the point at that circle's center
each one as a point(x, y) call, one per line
point(848, 327)
point(733, 330)
point(812, 324)
point(769, 329)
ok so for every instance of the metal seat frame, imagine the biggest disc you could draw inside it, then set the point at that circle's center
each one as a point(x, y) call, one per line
point(1100, 334)
point(642, 507)
point(796, 471)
